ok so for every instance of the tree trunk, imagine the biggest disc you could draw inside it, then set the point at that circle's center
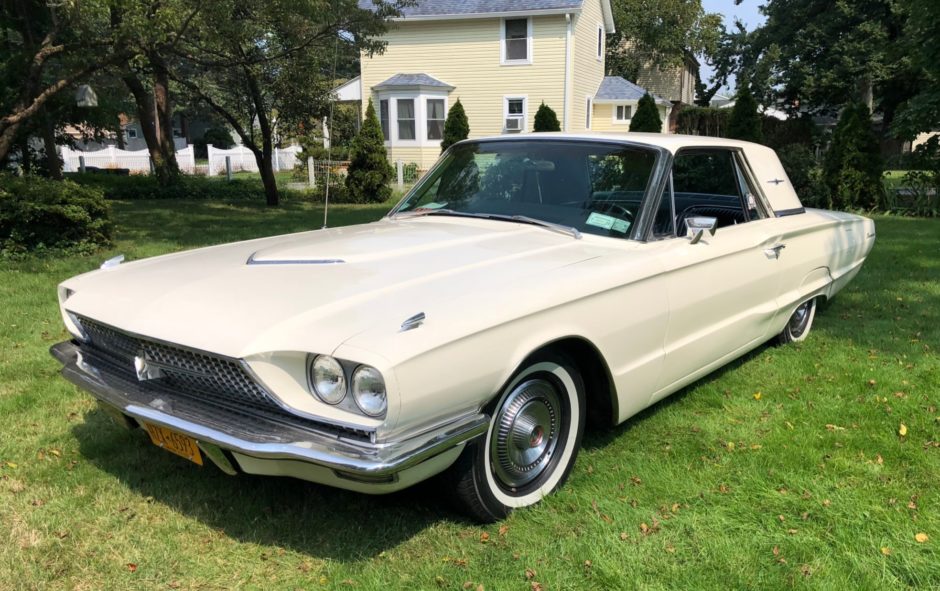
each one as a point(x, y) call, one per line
point(119, 136)
point(7, 136)
point(271, 196)
point(148, 125)
point(265, 166)
point(53, 164)
point(865, 94)
point(26, 161)
point(164, 112)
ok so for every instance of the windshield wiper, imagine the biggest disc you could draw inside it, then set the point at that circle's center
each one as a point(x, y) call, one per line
point(569, 230)
point(493, 216)
point(416, 213)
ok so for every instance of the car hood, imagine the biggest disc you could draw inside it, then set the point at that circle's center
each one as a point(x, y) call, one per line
point(314, 290)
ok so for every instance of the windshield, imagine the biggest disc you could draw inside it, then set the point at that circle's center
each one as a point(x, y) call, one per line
point(592, 187)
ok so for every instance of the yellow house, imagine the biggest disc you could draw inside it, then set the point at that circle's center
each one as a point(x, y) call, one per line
point(501, 59)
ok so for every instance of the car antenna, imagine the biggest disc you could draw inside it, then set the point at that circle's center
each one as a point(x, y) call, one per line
point(329, 143)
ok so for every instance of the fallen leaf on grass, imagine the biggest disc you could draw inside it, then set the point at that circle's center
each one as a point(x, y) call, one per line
point(536, 586)
point(902, 430)
point(776, 550)
point(624, 536)
point(132, 567)
point(503, 530)
point(921, 537)
point(484, 537)
point(831, 427)
point(757, 396)
point(886, 551)
point(530, 574)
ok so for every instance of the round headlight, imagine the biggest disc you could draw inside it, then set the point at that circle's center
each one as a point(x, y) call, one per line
point(327, 379)
point(369, 390)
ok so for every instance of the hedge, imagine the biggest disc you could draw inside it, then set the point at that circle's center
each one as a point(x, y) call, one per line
point(38, 214)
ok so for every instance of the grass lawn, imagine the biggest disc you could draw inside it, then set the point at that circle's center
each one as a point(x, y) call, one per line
point(784, 470)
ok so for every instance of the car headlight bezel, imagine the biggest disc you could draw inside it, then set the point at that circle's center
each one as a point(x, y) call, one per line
point(327, 364)
point(369, 391)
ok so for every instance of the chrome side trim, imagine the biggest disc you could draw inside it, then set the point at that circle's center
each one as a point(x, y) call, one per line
point(276, 441)
point(252, 261)
point(785, 212)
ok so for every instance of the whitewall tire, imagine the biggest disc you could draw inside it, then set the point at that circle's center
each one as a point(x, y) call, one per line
point(530, 448)
point(799, 323)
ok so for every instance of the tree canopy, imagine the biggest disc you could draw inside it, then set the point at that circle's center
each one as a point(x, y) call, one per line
point(664, 32)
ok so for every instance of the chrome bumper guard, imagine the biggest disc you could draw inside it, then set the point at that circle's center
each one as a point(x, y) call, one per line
point(266, 439)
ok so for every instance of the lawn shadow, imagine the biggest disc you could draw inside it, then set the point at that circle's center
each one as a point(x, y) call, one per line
point(319, 521)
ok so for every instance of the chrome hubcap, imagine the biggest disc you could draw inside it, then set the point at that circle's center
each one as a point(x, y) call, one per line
point(526, 433)
point(800, 319)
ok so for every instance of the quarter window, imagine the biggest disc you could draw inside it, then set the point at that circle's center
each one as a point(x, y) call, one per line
point(600, 42)
point(435, 119)
point(406, 119)
point(588, 107)
point(516, 40)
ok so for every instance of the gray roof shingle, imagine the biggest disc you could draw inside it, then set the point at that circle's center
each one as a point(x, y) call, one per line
point(411, 80)
point(615, 88)
point(458, 7)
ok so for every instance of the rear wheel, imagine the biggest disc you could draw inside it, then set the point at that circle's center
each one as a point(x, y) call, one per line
point(531, 445)
point(799, 324)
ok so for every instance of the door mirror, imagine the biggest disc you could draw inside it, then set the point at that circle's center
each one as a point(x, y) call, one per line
point(696, 226)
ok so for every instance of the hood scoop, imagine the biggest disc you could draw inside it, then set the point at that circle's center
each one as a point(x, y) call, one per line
point(290, 261)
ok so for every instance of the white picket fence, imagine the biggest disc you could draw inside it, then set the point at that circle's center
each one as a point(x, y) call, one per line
point(138, 161)
point(243, 160)
point(112, 157)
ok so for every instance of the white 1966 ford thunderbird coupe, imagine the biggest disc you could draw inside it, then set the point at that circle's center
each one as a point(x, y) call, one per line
point(527, 285)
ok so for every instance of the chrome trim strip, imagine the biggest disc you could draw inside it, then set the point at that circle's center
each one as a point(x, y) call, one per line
point(342, 455)
point(252, 261)
point(785, 212)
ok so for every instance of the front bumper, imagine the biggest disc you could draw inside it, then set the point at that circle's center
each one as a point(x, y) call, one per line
point(257, 439)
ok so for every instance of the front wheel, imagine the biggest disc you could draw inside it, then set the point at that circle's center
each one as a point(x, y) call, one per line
point(531, 445)
point(797, 328)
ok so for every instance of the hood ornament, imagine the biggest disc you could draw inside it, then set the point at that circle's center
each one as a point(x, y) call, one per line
point(413, 322)
point(113, 262)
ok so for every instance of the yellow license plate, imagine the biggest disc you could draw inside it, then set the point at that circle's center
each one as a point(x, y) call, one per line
point(170, 440)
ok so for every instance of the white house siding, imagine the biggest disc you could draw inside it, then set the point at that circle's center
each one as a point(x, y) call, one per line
point(587, 71)
point(466, 54)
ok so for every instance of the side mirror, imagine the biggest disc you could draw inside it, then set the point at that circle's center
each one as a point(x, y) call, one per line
point(697, 226)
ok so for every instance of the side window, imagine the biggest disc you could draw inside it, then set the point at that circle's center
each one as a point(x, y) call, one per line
point(709, 182)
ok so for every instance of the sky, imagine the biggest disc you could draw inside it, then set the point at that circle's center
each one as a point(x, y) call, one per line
point(747, 12)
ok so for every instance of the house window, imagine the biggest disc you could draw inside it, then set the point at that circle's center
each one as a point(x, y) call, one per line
point(131, 134)
point(406, 119)
point(517, 37)
point(600, 42)
point(383, 117)
point(515, 111)
point(623, 113)
point(435, 119)
point(588, 107)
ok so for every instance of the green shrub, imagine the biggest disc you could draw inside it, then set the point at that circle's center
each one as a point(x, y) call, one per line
point(745, 122)
point(38, 213)
point(546, 119)
point(853, 166)
point(369, 170)
point(456, 127)
point(703, 121)
point(805, 174)
point(647, 116)
point(187, 187)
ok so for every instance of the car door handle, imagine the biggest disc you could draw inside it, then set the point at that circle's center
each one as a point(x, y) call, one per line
point(774, 251)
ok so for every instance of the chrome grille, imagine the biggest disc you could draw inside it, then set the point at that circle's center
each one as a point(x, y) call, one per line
point(198, 376)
